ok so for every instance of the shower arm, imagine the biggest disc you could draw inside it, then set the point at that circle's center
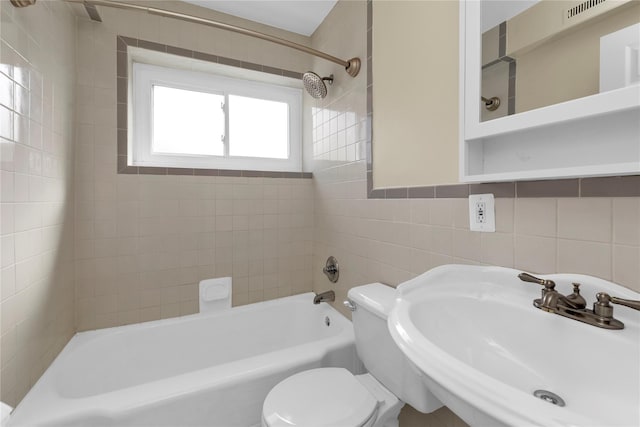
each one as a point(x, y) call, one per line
point(352, 66)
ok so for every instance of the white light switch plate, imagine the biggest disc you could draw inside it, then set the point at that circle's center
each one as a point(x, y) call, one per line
point(482, 213)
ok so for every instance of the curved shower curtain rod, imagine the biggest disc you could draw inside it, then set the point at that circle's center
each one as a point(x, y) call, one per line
point(352, 66)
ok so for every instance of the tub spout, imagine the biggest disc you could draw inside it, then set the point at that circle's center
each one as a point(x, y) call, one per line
point(324, 297)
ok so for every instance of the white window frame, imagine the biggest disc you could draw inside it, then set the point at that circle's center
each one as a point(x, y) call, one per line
point(145, 76)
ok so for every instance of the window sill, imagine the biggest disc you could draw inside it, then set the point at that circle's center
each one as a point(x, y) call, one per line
point(124, 168)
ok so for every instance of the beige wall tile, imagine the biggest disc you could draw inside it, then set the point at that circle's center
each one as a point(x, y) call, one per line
point(626, 221)
point(536, 217)
point(585, 219)
point(626, 266)
point(37, 229)
point(466, 244)
point(498, 249)
point(441, 212)
point(535, 254)
point(442, 239)
point(419, 211)
point(461, 213)
point(585, 257)
point(8, 284)
point(420, 261)
point(7, 219)
point(401, 212)
point(421, 236)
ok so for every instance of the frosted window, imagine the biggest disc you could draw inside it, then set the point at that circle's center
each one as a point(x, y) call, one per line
point(187, 122)
point(258, 128)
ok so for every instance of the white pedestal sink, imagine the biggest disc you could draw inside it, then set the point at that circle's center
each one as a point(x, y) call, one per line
point(485, 349)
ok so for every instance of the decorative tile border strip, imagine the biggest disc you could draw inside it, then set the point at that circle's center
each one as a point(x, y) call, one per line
point(614, 186)
point(123, 166)
point(372, 193)
point(611, 186)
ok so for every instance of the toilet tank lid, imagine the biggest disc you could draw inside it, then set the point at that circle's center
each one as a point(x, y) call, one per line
point(375, 297)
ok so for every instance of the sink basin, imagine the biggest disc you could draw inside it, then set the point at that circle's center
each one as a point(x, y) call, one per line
point(485, 349)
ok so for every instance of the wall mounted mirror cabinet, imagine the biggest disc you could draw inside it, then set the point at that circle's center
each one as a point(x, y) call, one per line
point(549, 89)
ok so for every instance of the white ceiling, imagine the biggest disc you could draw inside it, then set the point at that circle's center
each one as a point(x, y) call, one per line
point(298, 16)
point(496, 11)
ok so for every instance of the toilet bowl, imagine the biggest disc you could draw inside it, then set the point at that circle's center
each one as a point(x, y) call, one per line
point(330, 397)
point(5, 414)
point(334, 397)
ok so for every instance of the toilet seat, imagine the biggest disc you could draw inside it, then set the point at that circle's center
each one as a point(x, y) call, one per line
point(319, 397)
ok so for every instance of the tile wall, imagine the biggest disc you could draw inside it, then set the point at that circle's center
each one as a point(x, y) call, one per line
point(392, 240)
point(143, 242)
point(37, 72)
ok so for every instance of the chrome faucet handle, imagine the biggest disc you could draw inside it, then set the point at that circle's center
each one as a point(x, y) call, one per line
point(603, 312)
point(548, 284)
point(604, 299)
point(602, 307)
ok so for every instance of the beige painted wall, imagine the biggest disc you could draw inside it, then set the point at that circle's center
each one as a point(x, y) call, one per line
point(415, 96)
point(567, 67)
point(144, 242)
point(37, 72)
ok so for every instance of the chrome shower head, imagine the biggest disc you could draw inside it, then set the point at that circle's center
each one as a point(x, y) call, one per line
point(314, 84)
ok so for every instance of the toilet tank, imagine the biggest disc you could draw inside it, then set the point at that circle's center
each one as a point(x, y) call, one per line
point(379, 353)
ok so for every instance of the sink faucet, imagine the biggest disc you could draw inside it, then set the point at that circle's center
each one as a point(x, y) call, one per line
point(574, 305)
point(324, 297)
point(551, 299)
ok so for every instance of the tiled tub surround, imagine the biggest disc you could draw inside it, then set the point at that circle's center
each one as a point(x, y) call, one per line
point(37, 71)
point(145, 239)
point(543, 227)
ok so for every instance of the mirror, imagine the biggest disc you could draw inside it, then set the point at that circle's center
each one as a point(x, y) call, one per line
point(562, 115)
point(540, 53)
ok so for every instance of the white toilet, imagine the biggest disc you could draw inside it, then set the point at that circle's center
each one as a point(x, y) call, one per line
point(333, 397)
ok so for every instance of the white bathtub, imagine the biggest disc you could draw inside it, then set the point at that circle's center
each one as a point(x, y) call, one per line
point(198, 370)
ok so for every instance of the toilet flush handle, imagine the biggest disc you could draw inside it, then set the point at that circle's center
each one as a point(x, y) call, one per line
point(350, 305)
